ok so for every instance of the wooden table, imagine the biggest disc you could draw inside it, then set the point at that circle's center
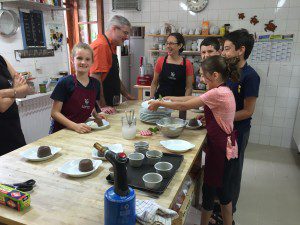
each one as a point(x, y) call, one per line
point(59, 199)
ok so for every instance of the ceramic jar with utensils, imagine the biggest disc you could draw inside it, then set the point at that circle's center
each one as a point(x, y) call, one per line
point(129, 125)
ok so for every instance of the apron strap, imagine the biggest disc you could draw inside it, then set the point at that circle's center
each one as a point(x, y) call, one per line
point(233, 137)
point(74, 79)
point(108, 43)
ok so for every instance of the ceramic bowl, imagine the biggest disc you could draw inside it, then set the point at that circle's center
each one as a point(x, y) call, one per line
point(164, 168)
point(136, 159)
point(153, 156)
point(152, 180)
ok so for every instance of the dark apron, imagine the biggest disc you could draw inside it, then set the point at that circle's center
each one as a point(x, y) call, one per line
point(79, 106)
point(11, 135)
point(215, 159)
point(112, 84)
point(172, 79)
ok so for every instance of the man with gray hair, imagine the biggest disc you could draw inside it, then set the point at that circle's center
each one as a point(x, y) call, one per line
point(106, 65)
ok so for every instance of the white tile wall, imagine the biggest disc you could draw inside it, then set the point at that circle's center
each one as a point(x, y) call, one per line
point(49, 65)
point(274, 115)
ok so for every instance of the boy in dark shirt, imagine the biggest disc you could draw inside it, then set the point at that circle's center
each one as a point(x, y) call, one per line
point(239, 44)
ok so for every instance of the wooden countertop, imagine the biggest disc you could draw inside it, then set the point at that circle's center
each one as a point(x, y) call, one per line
point(59, 199)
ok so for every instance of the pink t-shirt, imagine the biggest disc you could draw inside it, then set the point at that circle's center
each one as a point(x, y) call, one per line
point(222, 104)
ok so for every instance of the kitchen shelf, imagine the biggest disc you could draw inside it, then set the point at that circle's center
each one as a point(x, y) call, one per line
point(184, 52)
point(24, 4)
point(184, 35)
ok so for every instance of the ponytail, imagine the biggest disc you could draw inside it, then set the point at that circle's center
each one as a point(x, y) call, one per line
point(226, 67)
point(232, 71)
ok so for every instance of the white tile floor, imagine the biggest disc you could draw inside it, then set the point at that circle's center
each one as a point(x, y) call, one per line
point(270, 192)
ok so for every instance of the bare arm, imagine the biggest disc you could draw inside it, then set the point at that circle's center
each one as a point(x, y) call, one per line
point(11, 70)
point(59, 117)
point(247, 111)
point(179, 99)
point(20, 90)
point(154, 84)
point(189, 85)
point(125, 93)
point(182, 106)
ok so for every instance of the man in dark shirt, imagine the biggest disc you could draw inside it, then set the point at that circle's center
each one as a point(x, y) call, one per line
point(239, 44)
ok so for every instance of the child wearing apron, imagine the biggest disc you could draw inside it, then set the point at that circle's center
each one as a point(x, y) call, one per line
point(75, 95)
point(222, 152)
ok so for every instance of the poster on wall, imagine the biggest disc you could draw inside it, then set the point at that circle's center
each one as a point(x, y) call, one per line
point(56, 36)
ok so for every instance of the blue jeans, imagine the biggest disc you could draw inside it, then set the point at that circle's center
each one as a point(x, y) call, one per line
point(242, 140)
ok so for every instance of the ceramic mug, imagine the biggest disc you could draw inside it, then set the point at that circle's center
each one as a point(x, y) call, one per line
point(198, 30)
point(191, 31)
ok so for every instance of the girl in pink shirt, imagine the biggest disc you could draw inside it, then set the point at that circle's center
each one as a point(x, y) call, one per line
point(219, 109)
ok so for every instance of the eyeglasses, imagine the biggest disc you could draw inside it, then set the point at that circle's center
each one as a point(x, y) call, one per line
point(125, 32)
point(171, 43)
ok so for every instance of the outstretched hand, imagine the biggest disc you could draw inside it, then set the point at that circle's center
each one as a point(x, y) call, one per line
point(153, 105)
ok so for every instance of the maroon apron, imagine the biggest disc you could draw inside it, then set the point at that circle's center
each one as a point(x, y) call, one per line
point(79, 106)
point(216, 150)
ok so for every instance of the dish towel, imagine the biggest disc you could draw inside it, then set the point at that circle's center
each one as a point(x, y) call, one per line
point(148, 212)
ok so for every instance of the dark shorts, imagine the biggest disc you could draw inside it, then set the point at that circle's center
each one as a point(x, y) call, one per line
point(224, 193)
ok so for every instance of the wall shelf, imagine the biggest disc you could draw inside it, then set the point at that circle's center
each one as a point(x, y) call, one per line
point(24, 4)
point(184, 52)
point(184, 35)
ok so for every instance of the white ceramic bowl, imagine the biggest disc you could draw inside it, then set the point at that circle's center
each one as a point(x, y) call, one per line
point(136, 159)
point(153, 156)
point(152, 180)
point(163, 168)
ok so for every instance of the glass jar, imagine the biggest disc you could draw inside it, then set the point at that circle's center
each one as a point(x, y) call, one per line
point(128, 128)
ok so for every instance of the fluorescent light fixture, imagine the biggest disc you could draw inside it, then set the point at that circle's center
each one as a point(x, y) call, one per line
point(183, 6)
point(280, 3)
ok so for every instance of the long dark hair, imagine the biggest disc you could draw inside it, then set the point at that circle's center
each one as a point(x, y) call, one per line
point(180, 40)
point(227, 67)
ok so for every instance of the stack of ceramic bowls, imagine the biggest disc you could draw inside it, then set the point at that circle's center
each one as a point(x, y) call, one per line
point(141, 146)
point(153, 116)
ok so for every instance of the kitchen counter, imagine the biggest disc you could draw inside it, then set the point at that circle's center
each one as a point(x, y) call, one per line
point(59, 199)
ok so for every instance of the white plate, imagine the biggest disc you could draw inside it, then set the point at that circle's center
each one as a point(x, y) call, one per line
point(195, 127)
point(145, 104)
point(177, 146)
point(94, 125)
point(71, 168)
point(31, 154)
point(117, 148)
